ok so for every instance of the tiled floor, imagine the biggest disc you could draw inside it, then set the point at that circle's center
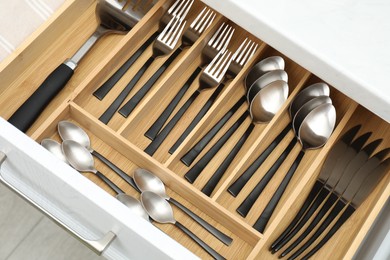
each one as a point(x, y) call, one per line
point(26, 234)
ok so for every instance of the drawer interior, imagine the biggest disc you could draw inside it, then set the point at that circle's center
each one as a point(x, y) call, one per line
point(122, 140)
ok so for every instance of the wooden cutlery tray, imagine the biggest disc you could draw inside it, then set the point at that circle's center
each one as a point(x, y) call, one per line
point(122, 141)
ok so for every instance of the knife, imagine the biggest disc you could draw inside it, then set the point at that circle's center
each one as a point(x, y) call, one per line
point(358, 190)
point(331, 172)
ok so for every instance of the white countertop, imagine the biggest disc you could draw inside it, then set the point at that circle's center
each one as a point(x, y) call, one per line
point(344, 42)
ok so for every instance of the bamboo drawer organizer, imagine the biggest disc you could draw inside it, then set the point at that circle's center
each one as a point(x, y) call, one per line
point(122, 141)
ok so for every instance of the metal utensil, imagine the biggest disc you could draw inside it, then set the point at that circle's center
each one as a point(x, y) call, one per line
point(241, 56)
point(310, 92)
point(179, 9)
point(70, 131)
point(114, 17)
point(211, 76)
point(270, 99)
point(262, 67)
point(80, 159)
point(311, 136)
point(55, 148)
point(218, 42)
point(264, 80)
point(320, 128)
point(147, 181)
point(193, 32)
point(163, 45)
point(160, 210)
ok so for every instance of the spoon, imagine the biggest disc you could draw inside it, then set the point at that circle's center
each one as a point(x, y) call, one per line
point(55, 148)
point(267, 103)
point(265, 65)
point(262, 109)
point(78, 156)
point(299, 100)
point(160, 210)
point(263, 81)
point(313, 133)
point(247, 204)
point(69, 131)
point(147, 181)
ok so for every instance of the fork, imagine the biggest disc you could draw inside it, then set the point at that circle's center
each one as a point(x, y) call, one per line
point(198, 26)
point(218, 42)
point(211, 76)
point(163, 45)
point(178, 9)
point(242, 55)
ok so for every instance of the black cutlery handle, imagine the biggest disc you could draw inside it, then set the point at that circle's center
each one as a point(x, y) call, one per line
point(247, 204)
point(216, 177)
point(191, 155)
point(332, 215)
point(198, 117)
point(265, 216)
point(237, 186)
point(195, 171)
point(325, 208)
point(155, 144)
point(103, 90)
point(116, 169)
point(309, 199)
point(344, 217)
point(199, 241)
point(30, 110)
point(215, 232)
point(109, 113)
point(305, 218)
point(109, 182)
point(156, 127)
point(134, 101)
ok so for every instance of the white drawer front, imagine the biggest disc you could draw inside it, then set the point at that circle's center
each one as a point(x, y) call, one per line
point(79, 203)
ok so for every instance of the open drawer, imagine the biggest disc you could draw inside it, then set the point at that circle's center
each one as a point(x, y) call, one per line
point(87, 206)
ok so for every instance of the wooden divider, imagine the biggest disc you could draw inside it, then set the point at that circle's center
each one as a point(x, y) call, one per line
point(123, 141)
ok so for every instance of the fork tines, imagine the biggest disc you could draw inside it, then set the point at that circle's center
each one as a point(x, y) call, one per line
point(219, 65)
point(172, 32)
point(203, 20)
point(243, 54)
point(180, 8)
point(221, 38)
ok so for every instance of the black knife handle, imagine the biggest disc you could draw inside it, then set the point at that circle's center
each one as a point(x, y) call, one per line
point(199, 241)
point(109, 182)
point(309, 199)
point(265, 216)
point(191, 155)
point(116, 169)
point(103, 90)
point(109, 113)
point(155, 144)
point(308, 214)
point(195, 171)
point(238, 184)
point(198, 117)
point(159, 123)
point(216, 177)
point(247, 204)
point(30, 110)
point(332, 215)
point(320, 215)
point(134, 100)
point(344, 217)
point(214, 231)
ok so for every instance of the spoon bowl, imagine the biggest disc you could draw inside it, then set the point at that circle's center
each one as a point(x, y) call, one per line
point(147, 181)
point(55, 148)
point(265, 65)
point(157, 207)
point(133, 204)
point(69, 131)
point(264, 80)
point(268, 101)
point(78, 156)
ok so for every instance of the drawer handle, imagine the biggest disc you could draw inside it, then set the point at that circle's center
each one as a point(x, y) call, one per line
point(97, 246)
